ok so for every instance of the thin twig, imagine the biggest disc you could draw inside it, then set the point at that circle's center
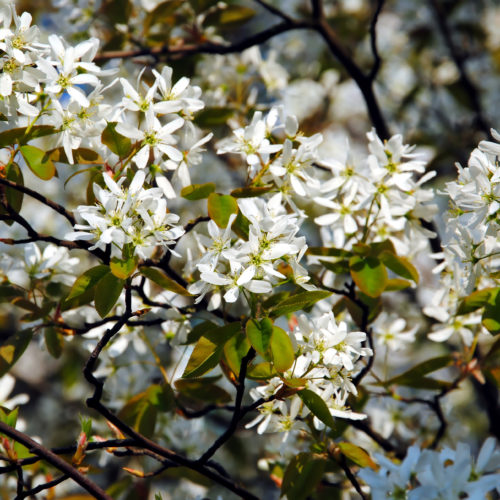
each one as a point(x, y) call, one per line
point(55, 461)
point(237, 409)
point(37, 196)
point(377, 61)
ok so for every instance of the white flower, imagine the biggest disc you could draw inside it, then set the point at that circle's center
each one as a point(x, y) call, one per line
point(156, 138)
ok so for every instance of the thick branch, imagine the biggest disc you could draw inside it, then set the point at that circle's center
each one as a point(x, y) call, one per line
point(54, 460)
point(37, 196)
point(460, 62)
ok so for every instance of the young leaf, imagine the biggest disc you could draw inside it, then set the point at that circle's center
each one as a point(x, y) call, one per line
point(18, 135)
point(415, 377)
point(301, 300)
point(107, 291)
point(259, 334)
point(203, 389)
point(54, 342)
point(302, 475)
point(220, 208)
point(12, 349)
point(116, 142)
point(400, 266)
point(281, 350)
point(87, 280)
point(250, 191)
point(212, 117)
point(261, 371)
point(369, 274)
point(357, 455)
point(491, 313)
point(235, 349)
point(474, 301)
point(123, 268)
point(198, 191)
point(208, 350)
point(161, 279)
point(39, 162)
point(317, 406)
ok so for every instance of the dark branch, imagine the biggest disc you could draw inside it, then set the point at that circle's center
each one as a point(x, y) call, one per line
point(53, 459)
point(37, 196)
point(377, 61)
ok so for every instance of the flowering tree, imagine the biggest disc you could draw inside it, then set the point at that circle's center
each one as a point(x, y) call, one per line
point(258, 307)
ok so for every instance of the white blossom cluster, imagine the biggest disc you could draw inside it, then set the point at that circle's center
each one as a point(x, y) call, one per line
point(135, 216)
point(326, 353)
point(436, 475)
point(471, 247)
point(377, 199)
point(229, 264)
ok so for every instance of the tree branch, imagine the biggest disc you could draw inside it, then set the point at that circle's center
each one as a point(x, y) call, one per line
point(53, 459)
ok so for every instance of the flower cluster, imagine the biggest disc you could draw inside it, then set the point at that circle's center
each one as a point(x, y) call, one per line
point(135, 217)
point(326, 354)
point(377, 199)
point(229, 265)
point(471, 249)
point(431, 475)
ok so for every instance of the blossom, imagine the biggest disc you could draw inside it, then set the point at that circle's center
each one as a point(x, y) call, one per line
point(155, 138)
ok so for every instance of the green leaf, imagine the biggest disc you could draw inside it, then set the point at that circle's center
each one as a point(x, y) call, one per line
point(12, 349)
point(54, 342)
point(39, 162)
point(235, 349)
point(9, 417)
point(302, 475)
point(161, 13)
point(87, 281)
point(116, 142)
point(328, 252)
point(212, 117)
point(415, 377)
point(301, 300)
point(317, 406)
point(250, 191)
point(230, 15)
point(123, 268)
point(281, 350)
point(161, 396)
point(107, 291)
point(396, 284)
point(241, 226)
point(198, 191)
point(369, 274)
point(203, 389)
point(261, 371)
point(220, 208)
point(199, 330)
point(357, 455)
point(161, 279)
point(208, 350)
point(118, 11)
point(19, 136)
point(81, 156)
point(400, 266)
point(14, 196)
point(491, 313)
point(474, 301)
point(259, 334)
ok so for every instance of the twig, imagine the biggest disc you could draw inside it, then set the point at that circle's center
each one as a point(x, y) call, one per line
point(55, 460)
point(460, 60)
point(37, 196)
point(237, 410)
point(275, 11)
point(41, 487)
point(377, 61)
